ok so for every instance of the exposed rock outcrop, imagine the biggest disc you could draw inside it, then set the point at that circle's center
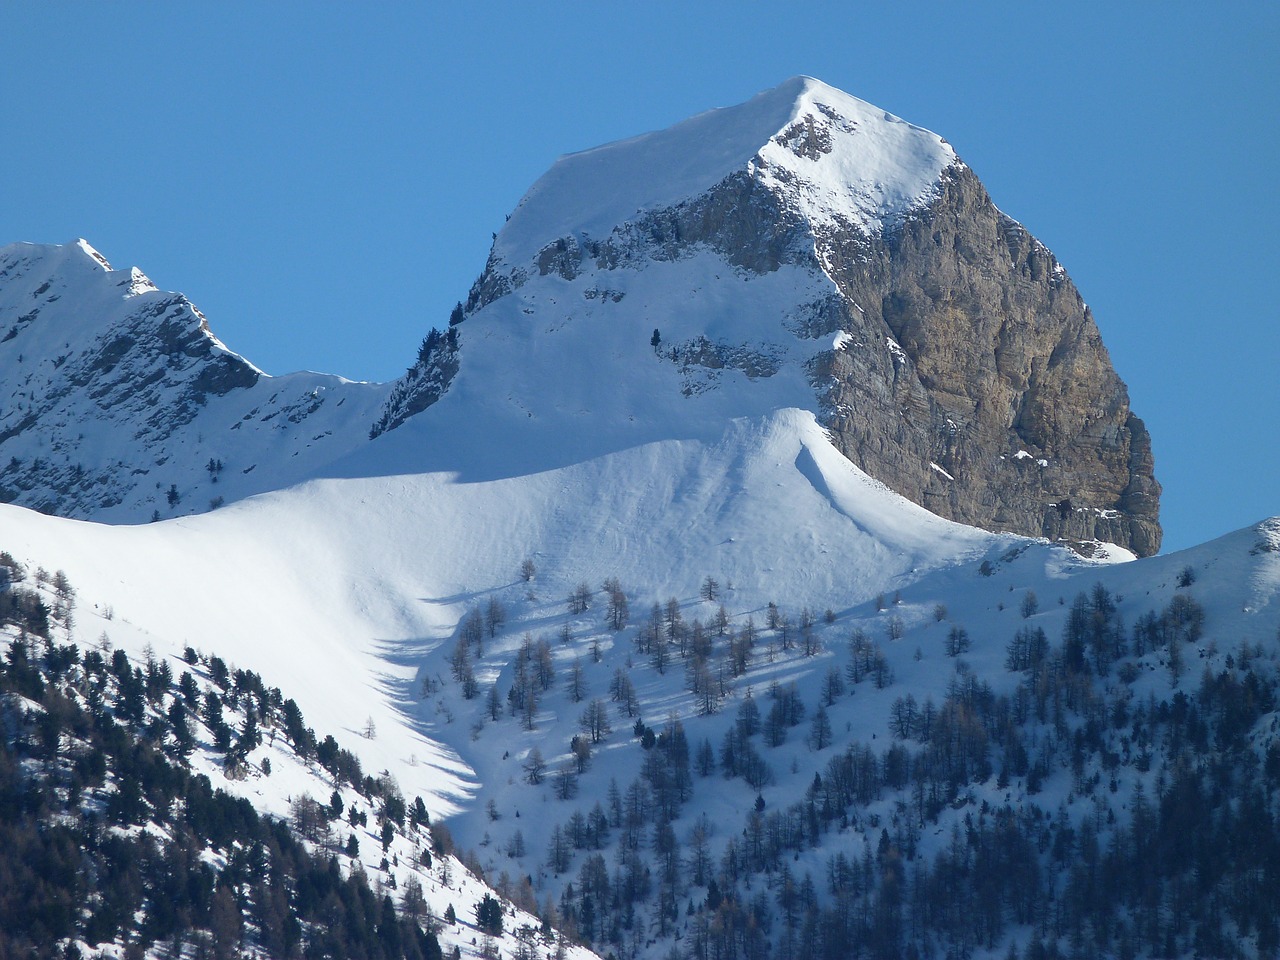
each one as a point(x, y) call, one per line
point(422, 385)
point(975, 380)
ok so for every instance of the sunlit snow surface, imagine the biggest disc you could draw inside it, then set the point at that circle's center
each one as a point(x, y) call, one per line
point(877, 166)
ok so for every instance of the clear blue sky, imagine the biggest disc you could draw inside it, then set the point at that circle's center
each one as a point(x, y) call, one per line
point(322, 179)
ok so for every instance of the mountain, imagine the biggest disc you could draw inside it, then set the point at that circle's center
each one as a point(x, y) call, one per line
point(118, 403)
point(803, 250)
point(609, 582)
point(808, 249)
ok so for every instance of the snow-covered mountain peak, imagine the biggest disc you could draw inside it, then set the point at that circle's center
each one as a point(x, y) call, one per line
point(841, 158)
point(803, 249)
point(118, 402)
point(676, 273)
point(829, 154)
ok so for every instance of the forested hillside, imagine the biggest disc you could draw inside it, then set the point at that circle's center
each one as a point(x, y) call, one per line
point(1094, 776)
point(974, 767)
point(114, 842)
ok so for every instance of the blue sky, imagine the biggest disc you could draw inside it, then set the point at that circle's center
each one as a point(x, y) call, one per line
point(323, 179)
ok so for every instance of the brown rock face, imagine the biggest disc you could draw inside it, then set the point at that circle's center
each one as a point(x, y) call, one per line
point(975, 381)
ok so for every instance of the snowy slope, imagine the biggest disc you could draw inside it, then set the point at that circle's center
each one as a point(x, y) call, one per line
point(350, 593)
point(351, 586)
point(854, 161)
point(279, 782)
point(560, 347)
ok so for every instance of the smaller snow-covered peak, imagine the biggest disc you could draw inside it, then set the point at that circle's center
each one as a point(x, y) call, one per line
point(831, 154)
point(113, 392)
point(139, 282)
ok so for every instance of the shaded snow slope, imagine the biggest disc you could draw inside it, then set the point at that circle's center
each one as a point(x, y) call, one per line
point(564, 369)
point(350, 591)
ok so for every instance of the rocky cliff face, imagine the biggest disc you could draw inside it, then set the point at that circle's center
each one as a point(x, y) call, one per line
point(975, 380)
point(423, 384)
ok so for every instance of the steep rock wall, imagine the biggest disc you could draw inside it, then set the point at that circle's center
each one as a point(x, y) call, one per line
point(975, 380)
